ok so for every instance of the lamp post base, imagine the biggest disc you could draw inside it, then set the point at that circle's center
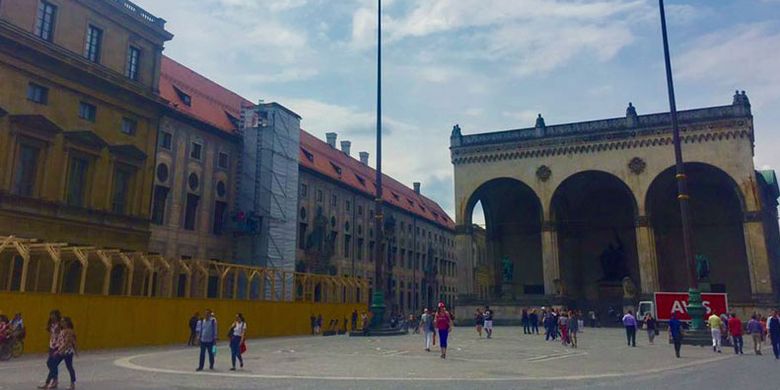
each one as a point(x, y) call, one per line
point(696, 310)
point(378, 326)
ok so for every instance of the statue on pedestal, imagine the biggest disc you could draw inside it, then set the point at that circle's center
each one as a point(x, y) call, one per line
point(507, 269)
point(613, 261)
point(629, 288)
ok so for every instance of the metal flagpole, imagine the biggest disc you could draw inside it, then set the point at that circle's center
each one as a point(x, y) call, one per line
point(695, 308)
point(378, 300)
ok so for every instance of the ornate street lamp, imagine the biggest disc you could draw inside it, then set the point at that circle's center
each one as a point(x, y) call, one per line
point(378, 299)
point(695, 308)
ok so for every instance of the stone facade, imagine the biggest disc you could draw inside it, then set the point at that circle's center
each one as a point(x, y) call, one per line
point(421, 260)
point(181, 178)
point(78, 122)
point(603, 190)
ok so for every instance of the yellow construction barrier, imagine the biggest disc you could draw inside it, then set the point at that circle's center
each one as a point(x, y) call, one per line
point(104, 322)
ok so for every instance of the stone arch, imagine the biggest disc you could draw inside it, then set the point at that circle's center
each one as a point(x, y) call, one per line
point(513, 230)
point(594, 213)
point(717, 209)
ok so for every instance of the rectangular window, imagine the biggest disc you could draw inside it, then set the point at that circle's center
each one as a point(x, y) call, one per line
point(77, 181)
point(348, 206)
point(44, 23)
point(129, 126)
point(93, 44)
point(360, 211)
point(87, 111)
point(302, 236)
point(158, 205)
point(133, 60)
point(359, 250)
point(166, 140)
point(26, 170)
point(121, 190)
point(319, 195)
point(224, 160)
point(37, 93)
point(334, 200)
point(219, 217)
point(304, 190)
point(196, 150)
point(347, 241)
point(191, 211)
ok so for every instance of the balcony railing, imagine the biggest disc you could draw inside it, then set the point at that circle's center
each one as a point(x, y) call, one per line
point(140, 12)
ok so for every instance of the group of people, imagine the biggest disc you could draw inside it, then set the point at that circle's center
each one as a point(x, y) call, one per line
point(204, 331)
point(62, 347)
point(484, 320)
point(728, 328)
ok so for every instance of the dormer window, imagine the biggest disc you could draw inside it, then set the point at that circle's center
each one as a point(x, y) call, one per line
point(336, 168)
point(395, 196)
point(186, 99)
point(308, 155)
point(233, 120)
point(361, 180)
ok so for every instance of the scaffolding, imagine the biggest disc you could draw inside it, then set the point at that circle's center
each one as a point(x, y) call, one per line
point(31, 265)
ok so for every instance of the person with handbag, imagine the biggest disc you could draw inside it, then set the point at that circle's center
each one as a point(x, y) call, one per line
point(237, 338)
point(207, 334)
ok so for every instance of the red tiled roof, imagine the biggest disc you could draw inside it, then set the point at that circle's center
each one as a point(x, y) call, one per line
point(210, 102)
point(317, 155)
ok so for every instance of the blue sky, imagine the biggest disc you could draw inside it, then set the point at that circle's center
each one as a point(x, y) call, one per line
point(485, 64)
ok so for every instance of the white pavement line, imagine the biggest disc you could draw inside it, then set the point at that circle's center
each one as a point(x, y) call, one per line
point(127, 363)
point(547, 358)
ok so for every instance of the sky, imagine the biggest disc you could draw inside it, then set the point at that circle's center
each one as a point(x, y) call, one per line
point(484, 64)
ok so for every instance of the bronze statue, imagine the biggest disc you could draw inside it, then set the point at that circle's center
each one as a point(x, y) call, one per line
point(613, 261)
point(508, 269)
point(702, 267)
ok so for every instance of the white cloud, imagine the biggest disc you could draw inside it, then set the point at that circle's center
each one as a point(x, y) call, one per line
point(740, 57)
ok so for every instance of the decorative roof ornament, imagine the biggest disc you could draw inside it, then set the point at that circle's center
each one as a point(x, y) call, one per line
point(540, 126)
point(455, 136)
point(632, 119)
point(741, 100)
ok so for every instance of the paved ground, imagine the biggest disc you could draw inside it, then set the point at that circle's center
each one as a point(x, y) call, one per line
point(509, 360)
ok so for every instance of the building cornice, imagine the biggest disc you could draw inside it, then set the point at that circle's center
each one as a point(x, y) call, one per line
point(601, 142)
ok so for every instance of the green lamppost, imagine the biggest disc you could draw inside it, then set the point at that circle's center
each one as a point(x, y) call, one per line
point(378, 298)
point(695, 308)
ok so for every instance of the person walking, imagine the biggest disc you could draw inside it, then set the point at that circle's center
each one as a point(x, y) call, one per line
point(735, 331)
point(525, 320)
point(715, 324)
point(354, 320)
point(488, 322)
point(364, 323)
point(193, 324)
point(574, 327)
point(629, 322)
point(318, 325)
point(773, 330)
point(563, 325)
point(207, 334)
point(675, 333)
point(533, 319)
point(651, 327)
point(53, 327)
point(479, 321)
point(756, 332)
point(426, 323)
point(66, 348)
point(443, 321)
point(592, 318)
point(237, 339)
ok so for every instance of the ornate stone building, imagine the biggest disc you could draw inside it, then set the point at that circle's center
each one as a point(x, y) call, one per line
point(79, 111)
point(336, 227)
point(572, 210)
point(198, 147)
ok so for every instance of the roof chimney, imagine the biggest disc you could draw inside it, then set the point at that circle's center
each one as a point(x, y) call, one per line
point(416, 187)
point(331, 137)
point(345, 145)
point(364, 158)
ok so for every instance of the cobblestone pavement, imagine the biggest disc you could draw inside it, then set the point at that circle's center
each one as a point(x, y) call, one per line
point(510, 360)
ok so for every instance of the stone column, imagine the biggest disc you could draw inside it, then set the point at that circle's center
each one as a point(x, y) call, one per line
point(648, 261)
point(550, 264)
point(758, 257)
point(463, 247)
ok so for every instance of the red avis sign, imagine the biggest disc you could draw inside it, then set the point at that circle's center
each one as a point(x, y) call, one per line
point(667, 303)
